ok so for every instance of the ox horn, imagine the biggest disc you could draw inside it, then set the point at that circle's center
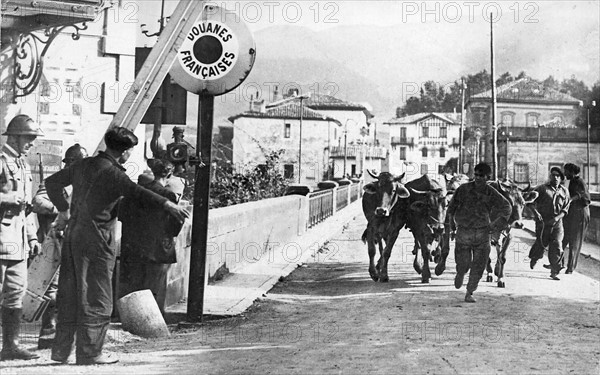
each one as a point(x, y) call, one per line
point(418, 192)
point(399, 178)
point(375, 176)
point(527, 188)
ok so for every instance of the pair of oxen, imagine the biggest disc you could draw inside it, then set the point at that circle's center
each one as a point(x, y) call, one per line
point(420, 206)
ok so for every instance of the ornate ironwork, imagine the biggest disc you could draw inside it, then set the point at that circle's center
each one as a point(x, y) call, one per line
point(29, 61)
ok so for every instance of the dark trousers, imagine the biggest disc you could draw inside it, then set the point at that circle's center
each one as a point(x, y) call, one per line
point(548, 237)
point(472, 251)
point(84, 295)
point(576, 224)
point(137, 276)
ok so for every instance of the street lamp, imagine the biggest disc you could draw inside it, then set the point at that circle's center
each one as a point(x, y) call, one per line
point(508, 135)
point(346, 144)
point(588, 107)
point(537, 157)
point(301, 98)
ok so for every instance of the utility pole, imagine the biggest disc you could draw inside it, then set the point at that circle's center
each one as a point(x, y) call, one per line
point(494, 127)
point(462, 127)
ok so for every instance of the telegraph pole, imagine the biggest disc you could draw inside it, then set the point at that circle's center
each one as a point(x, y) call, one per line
point(462, 127)
point(494, 127)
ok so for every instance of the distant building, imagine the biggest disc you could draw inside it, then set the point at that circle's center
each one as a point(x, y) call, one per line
point(331, 129)
point(423, 143)
point(537, 124)
point(260, 131)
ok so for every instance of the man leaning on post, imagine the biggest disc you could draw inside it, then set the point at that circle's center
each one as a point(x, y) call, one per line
point(18, 233)
point(88, 255)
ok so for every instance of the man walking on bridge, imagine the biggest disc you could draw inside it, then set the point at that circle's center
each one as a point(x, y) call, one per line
point(470, 210)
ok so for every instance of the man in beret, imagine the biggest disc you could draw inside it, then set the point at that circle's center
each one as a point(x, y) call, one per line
point(85, 300)
point(551, 206)
point(577, 219)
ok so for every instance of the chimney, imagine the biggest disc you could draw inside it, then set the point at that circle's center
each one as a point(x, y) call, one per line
point(258, 106)
point(276, 94)
point(251, 102)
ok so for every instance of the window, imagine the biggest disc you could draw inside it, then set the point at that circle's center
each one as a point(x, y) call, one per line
point(425, 131)
point(521, 172)
point(440, 169)
point(402, 133)
point(442, 152)
point(593, 176)
point(443, 132)
point(424, 168)
point(44, 108)
point(508, 119)
point(288, 171)
point(287, 130)
point(77, 109)
point(532, 119)
point(424, 152)
point(402, 153)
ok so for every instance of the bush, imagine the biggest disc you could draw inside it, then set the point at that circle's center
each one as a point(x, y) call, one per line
point(229, 187)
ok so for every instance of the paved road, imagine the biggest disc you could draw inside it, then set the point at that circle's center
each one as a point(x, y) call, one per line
point(330, 317)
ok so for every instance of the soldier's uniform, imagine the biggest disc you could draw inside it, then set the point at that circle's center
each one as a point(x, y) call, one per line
point(17, 230)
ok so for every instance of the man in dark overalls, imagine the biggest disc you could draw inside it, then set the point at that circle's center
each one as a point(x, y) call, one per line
point(46, 214)
point(88, 256)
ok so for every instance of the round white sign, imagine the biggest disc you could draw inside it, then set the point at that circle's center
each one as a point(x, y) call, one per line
point(209, 51)
point(216, 55)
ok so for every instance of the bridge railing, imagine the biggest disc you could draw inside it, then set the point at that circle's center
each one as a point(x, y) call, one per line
point(341, 197)
point(320, 206)
point(324, 203)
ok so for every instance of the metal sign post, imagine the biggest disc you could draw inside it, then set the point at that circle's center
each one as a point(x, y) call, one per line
point(216, 56)
point(198, 277)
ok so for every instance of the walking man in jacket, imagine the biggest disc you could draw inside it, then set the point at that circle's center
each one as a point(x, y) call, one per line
point(472, 206)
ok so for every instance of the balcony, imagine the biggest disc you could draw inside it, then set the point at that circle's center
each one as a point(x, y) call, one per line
point(356, 151)
point(403, 141)
point(551, 134)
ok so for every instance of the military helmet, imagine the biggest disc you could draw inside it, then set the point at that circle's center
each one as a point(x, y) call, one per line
point(22, 125)
point(74, 153)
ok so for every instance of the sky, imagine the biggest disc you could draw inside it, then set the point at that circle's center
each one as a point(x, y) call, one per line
point(444, 20)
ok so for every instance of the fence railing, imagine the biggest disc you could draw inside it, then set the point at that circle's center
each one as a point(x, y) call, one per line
point(341, 197)
point(324, 203)
point(320, 206)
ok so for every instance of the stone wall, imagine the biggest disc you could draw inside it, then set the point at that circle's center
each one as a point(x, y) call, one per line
point(238, 236)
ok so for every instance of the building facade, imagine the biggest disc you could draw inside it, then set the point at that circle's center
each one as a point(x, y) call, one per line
point(423, 143)
point(536, 131)
point(81, 85)
point(258, 132)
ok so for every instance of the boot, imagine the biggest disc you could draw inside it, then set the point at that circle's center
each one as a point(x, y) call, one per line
point(11, 324)
point(48, 331)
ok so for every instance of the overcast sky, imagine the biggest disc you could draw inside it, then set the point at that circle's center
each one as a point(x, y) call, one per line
point(447, 20)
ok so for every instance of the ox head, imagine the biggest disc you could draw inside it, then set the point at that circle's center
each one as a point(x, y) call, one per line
point(387, 191)
point(518, 199)
point(454, 181)
point(429, 208)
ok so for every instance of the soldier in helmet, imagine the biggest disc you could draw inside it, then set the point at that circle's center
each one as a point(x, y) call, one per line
point(46, 213)
point(17, 237)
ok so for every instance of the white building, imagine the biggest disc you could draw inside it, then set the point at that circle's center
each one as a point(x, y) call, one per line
point(423, 143)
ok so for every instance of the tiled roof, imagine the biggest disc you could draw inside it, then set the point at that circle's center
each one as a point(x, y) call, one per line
point(450, 117)
point(324, 101)
point(527, 90)
point(287, 110)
